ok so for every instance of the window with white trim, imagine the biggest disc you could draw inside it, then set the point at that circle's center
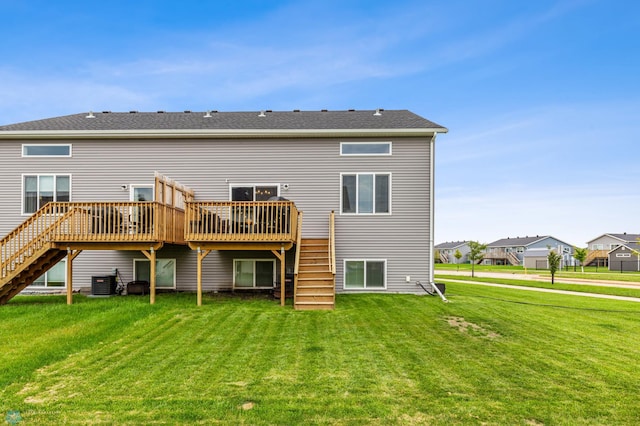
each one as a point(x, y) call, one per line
point(38, 190)
point(365, 274)
point(46, 150)
point(365, 148)
point(54, 277)
point(165, 272)
point(366, 193)
point(254, 273)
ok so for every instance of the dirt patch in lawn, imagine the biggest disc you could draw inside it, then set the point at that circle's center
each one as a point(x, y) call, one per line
point(470, 328)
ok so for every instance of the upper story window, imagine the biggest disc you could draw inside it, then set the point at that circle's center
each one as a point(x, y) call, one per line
point(38, 190)
point(366, 193)
point(365, 148)
point(46, 150)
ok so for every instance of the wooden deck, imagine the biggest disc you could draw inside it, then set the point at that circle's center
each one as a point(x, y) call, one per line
point(68, 228)
point(241, 225)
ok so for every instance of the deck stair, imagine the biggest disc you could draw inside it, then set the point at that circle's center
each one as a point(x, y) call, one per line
point(28, 251)
point(599, 256)
point(513, 259)
point(315, 284)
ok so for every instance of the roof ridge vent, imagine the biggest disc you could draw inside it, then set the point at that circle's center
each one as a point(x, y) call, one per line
point(91, 115)
point(133, 112)
point(187, 111)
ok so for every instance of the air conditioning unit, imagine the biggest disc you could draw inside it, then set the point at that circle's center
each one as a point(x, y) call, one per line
point(103, 286)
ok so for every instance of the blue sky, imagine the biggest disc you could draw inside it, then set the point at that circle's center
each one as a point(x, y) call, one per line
point(542, 99)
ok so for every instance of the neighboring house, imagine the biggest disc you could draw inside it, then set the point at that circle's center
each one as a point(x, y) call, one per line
point(625, 257)
point(600, 247)
point(447, 251)
point(251, 206)
point(511, 251)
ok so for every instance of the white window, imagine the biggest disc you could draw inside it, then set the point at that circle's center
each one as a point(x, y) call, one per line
point(597, 247)
point(165, 272)
point(46, 150)
point(613, 246)
point(254, 273)
point(38, 190)
point(365, 274)
point(623, 254)
point(366, 193)
point(54, 277)
point(365, 148)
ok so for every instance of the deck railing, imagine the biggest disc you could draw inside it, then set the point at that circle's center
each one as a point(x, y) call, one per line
point(241, 221)
point(92, 222)
point(108, 222)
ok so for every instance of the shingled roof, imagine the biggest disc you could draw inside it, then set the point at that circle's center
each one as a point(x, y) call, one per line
point(214, 120)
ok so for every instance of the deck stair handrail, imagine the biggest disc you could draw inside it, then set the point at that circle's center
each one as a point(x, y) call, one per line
point(332, 242)
point(296, 263)
point(444, 258)
point(30, 238)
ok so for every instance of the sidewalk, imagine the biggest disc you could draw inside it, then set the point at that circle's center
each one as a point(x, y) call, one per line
point(536, 277)
point(543, 290)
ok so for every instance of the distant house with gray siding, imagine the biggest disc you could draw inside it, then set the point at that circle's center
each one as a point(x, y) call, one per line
point(448, 250)
point(600, 247)
point(511, 251)
point(625, 258)
point(225, 211)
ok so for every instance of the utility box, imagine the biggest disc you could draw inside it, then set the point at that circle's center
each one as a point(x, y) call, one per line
point(103, 286)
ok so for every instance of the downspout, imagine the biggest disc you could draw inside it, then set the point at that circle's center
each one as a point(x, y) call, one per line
point(432, 208)
point(432, 222)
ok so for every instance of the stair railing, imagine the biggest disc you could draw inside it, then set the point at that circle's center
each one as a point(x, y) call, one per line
point(297, 260)
point(332, 242)
point(31, 236)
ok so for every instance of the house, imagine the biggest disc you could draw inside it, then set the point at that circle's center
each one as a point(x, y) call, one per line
point(327, 201)
point(600, 247)
point(446, 251)
point(511, 251)
point(625, 257)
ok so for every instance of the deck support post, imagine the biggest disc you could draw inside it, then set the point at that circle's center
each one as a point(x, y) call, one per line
point(283, 286)
point(70, 256)
point(201, 255)
point(151, 255)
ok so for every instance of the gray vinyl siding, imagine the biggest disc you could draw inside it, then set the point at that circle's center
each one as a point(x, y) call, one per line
point(310, 167)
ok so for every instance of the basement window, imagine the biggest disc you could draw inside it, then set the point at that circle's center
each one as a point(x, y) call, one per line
point(365, 274)
point(165, 272)
point(254, 273)
point(55, 277)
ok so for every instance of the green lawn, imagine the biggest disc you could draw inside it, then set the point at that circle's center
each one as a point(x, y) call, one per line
point(491, 356)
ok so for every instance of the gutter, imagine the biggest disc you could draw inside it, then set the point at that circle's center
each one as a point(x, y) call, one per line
point(215, 133)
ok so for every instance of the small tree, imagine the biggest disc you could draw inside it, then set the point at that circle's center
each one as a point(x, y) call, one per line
point(457, 255)
point(580, 254)
point(476, 253)
point(554, 262)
